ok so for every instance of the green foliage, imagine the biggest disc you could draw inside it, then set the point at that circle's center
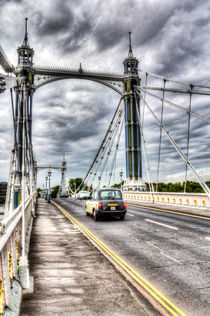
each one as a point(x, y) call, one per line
point(38, 192)
point(2, 199)
point(191, 187)
point(54, 191)
point(75, 183)
point(117, 185)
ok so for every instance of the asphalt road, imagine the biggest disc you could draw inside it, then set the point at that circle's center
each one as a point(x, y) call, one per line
point(170, 251)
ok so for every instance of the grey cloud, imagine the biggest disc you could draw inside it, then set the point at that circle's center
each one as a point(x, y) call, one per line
point(59, 21)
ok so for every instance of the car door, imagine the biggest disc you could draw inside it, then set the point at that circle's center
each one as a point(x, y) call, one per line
point(91, 202)
point(95, 201)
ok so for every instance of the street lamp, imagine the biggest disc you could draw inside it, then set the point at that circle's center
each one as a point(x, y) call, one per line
point(99, 180)
point(49, 175)
point(46, 178)
point(121, 175)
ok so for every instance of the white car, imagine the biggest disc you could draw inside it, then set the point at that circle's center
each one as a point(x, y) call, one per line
point(83, 195)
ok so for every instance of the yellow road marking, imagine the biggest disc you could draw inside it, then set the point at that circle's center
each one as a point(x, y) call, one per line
point(167, 211)
point(163, 301)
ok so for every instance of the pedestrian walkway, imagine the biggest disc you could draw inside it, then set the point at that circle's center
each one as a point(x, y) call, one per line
point(71, 276)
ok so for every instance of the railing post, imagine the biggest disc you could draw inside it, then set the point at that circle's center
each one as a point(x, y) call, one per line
point(14, 256)
point(6, 278)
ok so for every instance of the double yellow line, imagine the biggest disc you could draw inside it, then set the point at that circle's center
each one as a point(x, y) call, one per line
point(166, 306)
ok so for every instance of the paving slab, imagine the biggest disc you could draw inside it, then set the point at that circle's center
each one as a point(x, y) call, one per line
point(71, 276)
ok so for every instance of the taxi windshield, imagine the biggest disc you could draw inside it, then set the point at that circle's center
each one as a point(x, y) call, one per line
point(110, 195)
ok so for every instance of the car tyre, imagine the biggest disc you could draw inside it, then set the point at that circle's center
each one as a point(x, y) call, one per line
point(122, 217)
point(95, 216)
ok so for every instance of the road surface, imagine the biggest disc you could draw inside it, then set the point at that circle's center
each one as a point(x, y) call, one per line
point(170, 251)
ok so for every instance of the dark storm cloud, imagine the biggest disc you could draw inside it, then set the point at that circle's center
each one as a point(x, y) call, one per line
point(170, 38)
point(58, 21)
point(71, 29)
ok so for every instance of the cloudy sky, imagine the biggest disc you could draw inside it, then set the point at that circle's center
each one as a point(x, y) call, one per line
point(170, 38)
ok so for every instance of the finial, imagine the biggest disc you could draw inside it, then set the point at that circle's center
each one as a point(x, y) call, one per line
point(25, 42)
point(130, 53)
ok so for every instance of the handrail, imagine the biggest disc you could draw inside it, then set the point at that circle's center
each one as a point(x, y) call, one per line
point(10, 223)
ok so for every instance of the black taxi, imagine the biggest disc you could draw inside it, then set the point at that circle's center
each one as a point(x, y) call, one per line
point(104, 202)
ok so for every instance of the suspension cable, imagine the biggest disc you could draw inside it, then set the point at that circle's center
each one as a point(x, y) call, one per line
point(145, 87)
point(160, 139)
point(144, 145)
point(188, 140)
point(179, 107)
point(175, 81)
point(180, 152)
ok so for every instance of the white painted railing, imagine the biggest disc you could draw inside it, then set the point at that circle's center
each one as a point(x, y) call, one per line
point(11, 249)
point(198, 200)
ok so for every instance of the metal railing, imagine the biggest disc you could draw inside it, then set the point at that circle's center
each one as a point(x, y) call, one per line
point(190, 200)
point(11, 249)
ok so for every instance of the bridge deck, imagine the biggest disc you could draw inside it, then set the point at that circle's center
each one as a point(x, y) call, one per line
point(71, 276)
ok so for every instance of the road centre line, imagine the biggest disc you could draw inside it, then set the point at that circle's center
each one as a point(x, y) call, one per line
point(129, 214)
point(207, 238)
point(162, 253)
point(157, 296)
point(167, 211)
point(161, 224)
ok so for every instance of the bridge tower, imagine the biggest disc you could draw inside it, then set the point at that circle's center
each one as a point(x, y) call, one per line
point(132, 130)
point(24, 89)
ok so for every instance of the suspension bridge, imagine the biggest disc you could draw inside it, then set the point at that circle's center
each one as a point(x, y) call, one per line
point(138, 90)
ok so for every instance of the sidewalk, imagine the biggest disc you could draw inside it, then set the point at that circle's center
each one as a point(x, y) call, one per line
point(71, 276)
point(187, 210)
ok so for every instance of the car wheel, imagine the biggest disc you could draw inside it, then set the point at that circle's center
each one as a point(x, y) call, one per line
point(122, 217)
point(95, 216)
point(88, 214)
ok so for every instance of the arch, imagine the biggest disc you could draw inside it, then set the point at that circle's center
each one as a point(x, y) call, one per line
point(105, 83)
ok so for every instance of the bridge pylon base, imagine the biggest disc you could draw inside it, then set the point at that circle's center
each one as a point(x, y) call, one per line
point(134, 185)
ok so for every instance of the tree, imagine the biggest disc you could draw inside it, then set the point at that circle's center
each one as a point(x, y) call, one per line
point(54, 191)
point(38, 191)
point(74, 184)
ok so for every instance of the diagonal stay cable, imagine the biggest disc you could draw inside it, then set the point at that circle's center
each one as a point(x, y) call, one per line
point(116, 148)
point(180, 152)
point(110, 140)
point(105, 137)
point(110, 148)
point(202, 118)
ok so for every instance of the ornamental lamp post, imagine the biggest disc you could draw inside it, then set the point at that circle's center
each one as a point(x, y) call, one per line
point(49, 175)
point(99, 180)
point(121, 175)
point(46, 178)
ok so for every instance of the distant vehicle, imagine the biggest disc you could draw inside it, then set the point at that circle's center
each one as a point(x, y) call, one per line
point(64, 196)
point(104, 202)
point(83, 195)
